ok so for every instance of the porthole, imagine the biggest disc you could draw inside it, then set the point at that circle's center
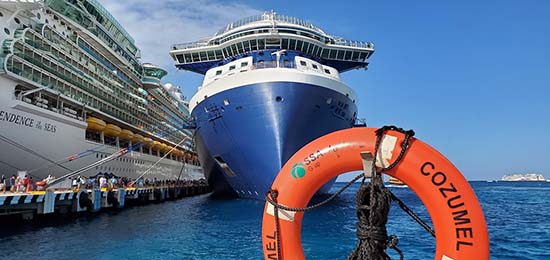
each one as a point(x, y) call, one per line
point(17, 20)
point(38, 16)
point(1, 14)
point(47, 21)
point(329, 101)
point(7, 31)
point(226, 102)
point(279, 99)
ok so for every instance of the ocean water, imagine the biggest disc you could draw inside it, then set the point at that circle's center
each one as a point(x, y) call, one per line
point(518, 216)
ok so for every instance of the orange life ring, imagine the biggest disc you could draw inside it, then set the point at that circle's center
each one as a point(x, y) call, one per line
point(459, 223)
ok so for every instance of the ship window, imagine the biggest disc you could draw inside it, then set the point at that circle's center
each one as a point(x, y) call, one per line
point(218, 54)
point(246, 45)
point(244, 64)
point(303, 63)
point(195, 56)
point(315, 49)
point(1, 15)
point(253, 45)
point(261, 44)
point(327, 71)
point(210, 55)
point(7, 31)
point(180, 58)
point(324, 54)
point(203, 56)
point(340, 55)
point(310, 49)
point(219, 72)
point(355, 55)
point(348, 55)
point(234, 49)
point(285, 44)
point(305, 47)
point(332, 54)
point(240, 47)
point(17, 20)
point(363, 55)
point(314, 66)
point(232, 67)
point(299, 45)
point(226, 102)
point(292, 44)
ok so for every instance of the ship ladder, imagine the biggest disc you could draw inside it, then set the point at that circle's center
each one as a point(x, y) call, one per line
point(460, 229)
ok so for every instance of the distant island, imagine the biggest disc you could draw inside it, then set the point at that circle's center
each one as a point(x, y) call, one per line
point(523, 177)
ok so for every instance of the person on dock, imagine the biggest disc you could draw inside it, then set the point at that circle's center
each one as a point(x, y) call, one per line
point(102, 182)
point(18, 182)
point(3, 184)
point(11, 183)
point(29, 184)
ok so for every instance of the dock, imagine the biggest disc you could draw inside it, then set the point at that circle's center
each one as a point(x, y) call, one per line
point(34, 203)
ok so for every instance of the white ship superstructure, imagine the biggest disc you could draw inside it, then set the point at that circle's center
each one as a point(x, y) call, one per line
point(73, 91)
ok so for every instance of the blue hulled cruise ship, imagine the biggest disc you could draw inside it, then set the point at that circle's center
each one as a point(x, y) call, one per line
point(271, 85)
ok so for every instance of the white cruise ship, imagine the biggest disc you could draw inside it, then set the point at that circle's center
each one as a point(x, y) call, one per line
point(73, 92)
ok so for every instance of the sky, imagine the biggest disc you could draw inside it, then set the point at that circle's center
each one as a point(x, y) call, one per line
point(472, 78)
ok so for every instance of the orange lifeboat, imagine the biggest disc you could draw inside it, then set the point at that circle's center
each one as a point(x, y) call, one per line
point(156, 145)
point(165, 148)
point(126, 135)
point(147, 142)
point(137, 139)
point(112, 130)
point(95, 124)
point(459, 223)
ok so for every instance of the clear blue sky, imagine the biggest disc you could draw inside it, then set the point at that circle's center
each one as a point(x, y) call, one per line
point(472, 78)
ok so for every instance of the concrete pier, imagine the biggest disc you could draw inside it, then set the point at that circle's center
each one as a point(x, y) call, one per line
point(35, 203)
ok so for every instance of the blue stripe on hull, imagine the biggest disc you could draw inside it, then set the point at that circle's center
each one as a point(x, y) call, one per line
point(255, 129)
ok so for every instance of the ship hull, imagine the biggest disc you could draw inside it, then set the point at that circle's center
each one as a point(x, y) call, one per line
point(33, 139)
point(246, 134)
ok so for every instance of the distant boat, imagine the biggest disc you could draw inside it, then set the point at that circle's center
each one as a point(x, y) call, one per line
point(524, 177)
point(396, 182)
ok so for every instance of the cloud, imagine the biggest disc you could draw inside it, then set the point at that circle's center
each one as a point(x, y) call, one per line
point(158, 24)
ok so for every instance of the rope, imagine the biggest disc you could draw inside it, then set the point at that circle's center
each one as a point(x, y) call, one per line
point(373, 206)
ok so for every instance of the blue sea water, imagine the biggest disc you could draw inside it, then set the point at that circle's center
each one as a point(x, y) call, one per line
point(518, 216)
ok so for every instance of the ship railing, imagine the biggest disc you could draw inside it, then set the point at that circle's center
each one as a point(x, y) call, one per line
point(190, 45)
point(358, 44)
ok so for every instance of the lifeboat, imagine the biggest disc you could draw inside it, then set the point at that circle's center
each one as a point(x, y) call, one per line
point(112, 130)
point(168, 148)
point(147, 142)
point(126, 134)
point(164, 148)
point(137, 138)
point(156, 145)
point(95, 124)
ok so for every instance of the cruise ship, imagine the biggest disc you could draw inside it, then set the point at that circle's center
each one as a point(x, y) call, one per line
point(271, 85)
point(74, 92)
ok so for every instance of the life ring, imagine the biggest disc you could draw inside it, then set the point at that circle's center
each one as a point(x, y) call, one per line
point(459, 223)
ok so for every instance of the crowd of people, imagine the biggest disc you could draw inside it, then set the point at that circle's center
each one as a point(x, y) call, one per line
point(16, 184)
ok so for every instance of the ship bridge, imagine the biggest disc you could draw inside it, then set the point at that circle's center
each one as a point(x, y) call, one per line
point(271, 31)
point(152, 75)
